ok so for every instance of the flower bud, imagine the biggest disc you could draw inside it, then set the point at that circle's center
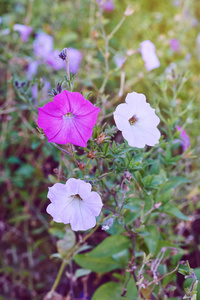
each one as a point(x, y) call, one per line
point(81, 165)
point(95, 34)
point(129, 11)
point(91, 154)
point(108, 223)
point(127, 175)
point(130, 52)
point(100, 138)
point(62, 55)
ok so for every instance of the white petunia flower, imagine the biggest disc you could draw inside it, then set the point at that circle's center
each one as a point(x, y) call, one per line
point(148, 51)
point(74, 203)
point(137, 121)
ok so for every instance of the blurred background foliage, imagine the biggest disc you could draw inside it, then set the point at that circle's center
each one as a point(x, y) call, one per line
point(27, 162)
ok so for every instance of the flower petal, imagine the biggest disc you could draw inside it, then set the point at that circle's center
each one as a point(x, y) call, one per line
point(72, 102)
point(150, 134)
point(93, 203)
point(80, 218)
point(72, 186)
point(70, 132)
point(134, 137)
point(50, 123)
point(135, 102)
point(58, 192)
point(84, 189)
point(60, 199)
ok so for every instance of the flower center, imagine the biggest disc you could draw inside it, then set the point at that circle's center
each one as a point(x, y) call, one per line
point(76, 197)
point(133, 120)
point(69, 115)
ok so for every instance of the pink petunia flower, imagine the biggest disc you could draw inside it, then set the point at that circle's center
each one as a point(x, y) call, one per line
point(24, 31)
point(70, 118)
point(147, 49)
point(74, 203)
point(185, 140)
point(137, 121)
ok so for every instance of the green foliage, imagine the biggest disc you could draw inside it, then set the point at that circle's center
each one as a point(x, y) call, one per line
point(107, 256)
point(152, 193)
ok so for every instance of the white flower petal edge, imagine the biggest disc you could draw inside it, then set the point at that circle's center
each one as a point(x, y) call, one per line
point(74, 203)
point(143, 130)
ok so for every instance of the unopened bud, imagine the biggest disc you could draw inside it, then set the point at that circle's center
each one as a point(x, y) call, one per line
point(127, 175)
point(129, 11)
point(108, 223)
point(81, 165)
point(55, 170)
point(100, 138)
point(95, 34)
point(157, 205)
point(62, 55)
point(91, 154)
point(130, 52)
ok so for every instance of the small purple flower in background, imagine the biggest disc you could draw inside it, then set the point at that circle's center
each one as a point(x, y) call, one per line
point(24, 31)
point(185, 140)
point(43, 45)
point(176, 3)
point(149, 56)
point(74, 203)
point(106, 5)
point(175, 45)
point(194, 22)
point(137, 121)
point(75, 58)
point(32, 69)
point(70, 118)
point(54, 61)
point(43, 93)
point(119, 59)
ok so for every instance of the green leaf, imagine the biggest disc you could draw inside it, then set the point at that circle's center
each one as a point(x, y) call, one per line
point(173, 182)
point(66, 243)
point(19, 218)
point(108, 291)
point(132, 292)
point(97, 264)
point(25, 171)
point(111, 245)
point(152, 238)
point(174, 211)
point(113, 291)
point(81, 272)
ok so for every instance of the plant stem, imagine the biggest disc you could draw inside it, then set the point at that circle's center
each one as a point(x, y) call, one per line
point(106, 55)
point(67, 63)
point(57, 280)
point(66, 261)
point(116, 28)
point(63, 150)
